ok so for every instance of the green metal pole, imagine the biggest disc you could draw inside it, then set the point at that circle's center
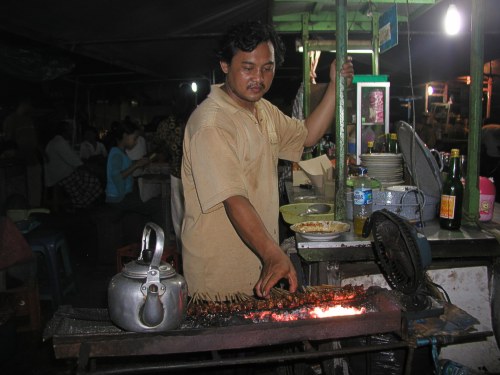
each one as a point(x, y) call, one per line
point(307, 65)
point(340, 126)
point(375, 42)
point(471, 196)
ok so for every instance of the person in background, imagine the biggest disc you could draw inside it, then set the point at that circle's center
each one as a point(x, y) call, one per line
point(19, 129)
point(108, 139)
point(140, 150)
point(121, 192)
point(232, 143)
point(94, 154)
point(168, 138)
point(65, 168)
point(91, 147)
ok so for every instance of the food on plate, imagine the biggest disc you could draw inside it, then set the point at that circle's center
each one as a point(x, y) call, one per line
point(321, 227)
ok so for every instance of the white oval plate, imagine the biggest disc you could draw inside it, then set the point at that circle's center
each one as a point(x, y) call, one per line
point(320, 230)
point(320, 236)
point(401, 188)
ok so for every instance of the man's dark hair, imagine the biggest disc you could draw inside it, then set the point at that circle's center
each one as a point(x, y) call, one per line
point(246, 37)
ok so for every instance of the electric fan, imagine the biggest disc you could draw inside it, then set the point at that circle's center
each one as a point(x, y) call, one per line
point(403, 255)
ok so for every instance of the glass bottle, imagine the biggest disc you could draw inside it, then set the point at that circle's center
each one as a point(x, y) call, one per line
point(362, 202)
point(393, 144)
point(383, 146)
point(450, 212)
point(320, 147)
point(307, 153)
point(369, 150)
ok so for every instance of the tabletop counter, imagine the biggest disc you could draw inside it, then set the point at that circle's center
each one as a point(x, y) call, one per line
point(465, 264)
point(469, 245)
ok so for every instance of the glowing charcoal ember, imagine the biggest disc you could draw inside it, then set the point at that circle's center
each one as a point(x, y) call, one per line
point(271, 316)
point(320, 312)
point(308, 303)
point(312, 312)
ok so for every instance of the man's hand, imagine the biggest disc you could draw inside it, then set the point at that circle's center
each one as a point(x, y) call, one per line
point(248, 224)
point(276, 267)
point(324, 113)
point(346, 72)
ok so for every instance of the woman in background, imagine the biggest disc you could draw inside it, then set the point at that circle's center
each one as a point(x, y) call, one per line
point(121, 192)
point(94, 154)
point(64, 167)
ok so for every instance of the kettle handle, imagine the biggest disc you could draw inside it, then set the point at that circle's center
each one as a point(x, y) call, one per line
point(160, 240)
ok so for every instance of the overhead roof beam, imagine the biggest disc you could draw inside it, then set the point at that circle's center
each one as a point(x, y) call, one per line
point(359, 2)
point(287, 14)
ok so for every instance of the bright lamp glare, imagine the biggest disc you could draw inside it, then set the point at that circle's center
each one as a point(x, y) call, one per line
point(452, 21)
point(194, 87)
point(430, 90)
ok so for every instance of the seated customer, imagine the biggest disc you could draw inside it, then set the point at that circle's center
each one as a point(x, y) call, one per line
point(91, 148)
point(120, 188)
point(94, 154)
point(64, 167)
point(140, 149)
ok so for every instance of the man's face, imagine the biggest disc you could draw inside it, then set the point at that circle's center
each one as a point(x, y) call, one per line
point(250, 74)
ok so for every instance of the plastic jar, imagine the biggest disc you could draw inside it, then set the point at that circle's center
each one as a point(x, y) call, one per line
point(487, 194)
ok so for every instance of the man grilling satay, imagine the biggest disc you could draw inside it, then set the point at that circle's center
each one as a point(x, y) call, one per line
point(232, 144)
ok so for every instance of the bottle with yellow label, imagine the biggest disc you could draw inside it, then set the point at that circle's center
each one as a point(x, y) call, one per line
point(450, 212)
point(369, 149)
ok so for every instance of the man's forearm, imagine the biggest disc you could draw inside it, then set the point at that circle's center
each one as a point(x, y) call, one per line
point(249, 226)
point(322, 117)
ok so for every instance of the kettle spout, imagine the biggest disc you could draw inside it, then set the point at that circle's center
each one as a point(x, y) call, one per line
point(152, 311)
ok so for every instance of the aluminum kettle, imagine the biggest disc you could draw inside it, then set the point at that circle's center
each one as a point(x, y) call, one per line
point(148, 295)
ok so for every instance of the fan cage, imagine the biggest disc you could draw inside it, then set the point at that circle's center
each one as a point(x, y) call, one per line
point(393, 272)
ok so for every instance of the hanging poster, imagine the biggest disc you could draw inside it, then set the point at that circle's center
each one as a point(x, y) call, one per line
point(388, 29)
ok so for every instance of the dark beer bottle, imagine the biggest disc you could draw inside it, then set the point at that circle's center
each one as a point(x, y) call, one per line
point(450, 212)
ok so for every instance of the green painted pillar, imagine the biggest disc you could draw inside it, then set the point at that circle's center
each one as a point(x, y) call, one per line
point(375, 43)
point(471, 196)
point(340, 125)
point(306, 63)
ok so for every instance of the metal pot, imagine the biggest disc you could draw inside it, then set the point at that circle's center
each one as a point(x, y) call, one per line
point(148, 295)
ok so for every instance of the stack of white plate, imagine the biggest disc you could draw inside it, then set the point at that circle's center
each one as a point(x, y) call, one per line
point(387, 168)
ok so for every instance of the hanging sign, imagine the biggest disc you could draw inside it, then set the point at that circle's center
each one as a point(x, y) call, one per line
point(388, 29)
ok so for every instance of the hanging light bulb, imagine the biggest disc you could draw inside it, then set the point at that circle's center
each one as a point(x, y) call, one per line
point(452, 20)
point(430, 90)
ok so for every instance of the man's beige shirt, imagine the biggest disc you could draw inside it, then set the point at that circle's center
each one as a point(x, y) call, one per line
point(229, 152)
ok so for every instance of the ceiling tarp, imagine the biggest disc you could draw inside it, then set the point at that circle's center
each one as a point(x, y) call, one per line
point(175, 40)
point(171, 39)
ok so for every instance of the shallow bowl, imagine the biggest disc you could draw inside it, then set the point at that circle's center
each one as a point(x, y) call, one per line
point(295, 213)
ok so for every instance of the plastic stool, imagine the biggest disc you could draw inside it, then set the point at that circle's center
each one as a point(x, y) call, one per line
point(54, 249)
